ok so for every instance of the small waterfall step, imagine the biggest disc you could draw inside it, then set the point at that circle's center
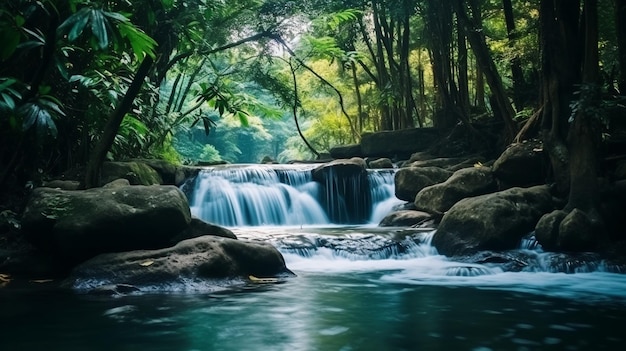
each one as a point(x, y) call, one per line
point(277, 195)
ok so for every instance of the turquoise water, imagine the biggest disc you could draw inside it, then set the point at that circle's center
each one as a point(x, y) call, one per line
point(315, 311)
point(344, 298)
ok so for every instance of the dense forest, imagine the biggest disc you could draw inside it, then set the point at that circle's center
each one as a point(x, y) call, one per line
point(86, 81)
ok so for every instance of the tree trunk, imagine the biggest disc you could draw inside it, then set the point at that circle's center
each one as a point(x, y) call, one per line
point(462, 68)
point(92, 176)
point(584, 136)
point(516, 66)
point(483, 57)
point(560, 72)
point(620, 25)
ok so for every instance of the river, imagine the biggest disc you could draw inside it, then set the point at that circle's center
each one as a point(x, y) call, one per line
point(358, 287)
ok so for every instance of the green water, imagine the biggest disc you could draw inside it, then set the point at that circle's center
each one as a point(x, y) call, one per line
point(315, 311)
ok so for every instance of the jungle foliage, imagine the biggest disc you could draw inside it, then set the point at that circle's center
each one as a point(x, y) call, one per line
point(82, 81)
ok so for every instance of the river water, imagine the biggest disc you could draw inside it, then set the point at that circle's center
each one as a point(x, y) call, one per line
point(358, 287)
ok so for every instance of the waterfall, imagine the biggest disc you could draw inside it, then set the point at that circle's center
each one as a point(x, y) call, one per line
point(270, 195)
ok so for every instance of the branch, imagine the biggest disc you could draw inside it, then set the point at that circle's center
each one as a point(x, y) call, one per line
point(282, 42)
point(181, 56)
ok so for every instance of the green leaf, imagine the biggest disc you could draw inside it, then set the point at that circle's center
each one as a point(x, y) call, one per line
point(98, 28)
point(243, 118)
point(82, 17)
point(19, 20)
point(38, 117)
point(116, 16)
point(168, 4)
point(7, 83)
point(10, 39)
point(141, 43)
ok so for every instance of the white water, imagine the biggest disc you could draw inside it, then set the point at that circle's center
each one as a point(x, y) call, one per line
point(281, 205)
point(339, 251)
point(257, 195)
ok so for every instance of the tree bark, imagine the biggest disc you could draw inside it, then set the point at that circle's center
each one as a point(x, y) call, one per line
point(620, 25)
point(92, 176)
point(516, 66)
point(584, 136)
point(483, 57)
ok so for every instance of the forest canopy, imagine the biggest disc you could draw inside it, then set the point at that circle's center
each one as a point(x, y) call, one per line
point(86, 81)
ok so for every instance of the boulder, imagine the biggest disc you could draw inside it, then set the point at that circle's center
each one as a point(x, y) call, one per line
point(346, 190)
point(398, 143)
point(496, 221)
point(170, 173)
point(405, 218)
point(463, 183)
point(411, 180)
point(380, 163)
point(77, 225)
point(198, 260)
point(62, 184)
point(449, 163)
point(346, 151)
point(198, 227)
point(344, 167)
point(577, 232)
point(547, 229)
point(137, 173)
point(521, 164)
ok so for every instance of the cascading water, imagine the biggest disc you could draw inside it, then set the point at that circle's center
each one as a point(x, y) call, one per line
point(259, 195)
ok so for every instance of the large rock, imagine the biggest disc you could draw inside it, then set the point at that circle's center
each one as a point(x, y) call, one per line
point(191, 261)
point(76, 225)
point(449, 163)
point(398, 143)
point(578, 233)
point(405, 218)
point(346, 151)
point(355, 166)
point(547, 229)
point(463, 183)
point(346, 190)
point(521, 164)
point(494, 221)
point(137, 173)
point(170, 173)
point(198, 227)
point(411, 180)
point(380, 163)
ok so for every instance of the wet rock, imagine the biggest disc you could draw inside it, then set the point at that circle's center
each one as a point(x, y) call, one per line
point(494, 221)
point(198, 227)
point(381, 163)
point(62, 184)
point(170, 173)
point(463, 183)
point(199, 260)
point(521, 164)
point(398, 143)
point(547, 229)
point(137, 173)
point(344, 167)
point(404, 218)
point(346, 151)
point(76, 225)
point(577, 232)
point(411, 180)
point(449, 163)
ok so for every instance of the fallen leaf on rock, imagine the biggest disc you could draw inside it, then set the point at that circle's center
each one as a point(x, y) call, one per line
point(146, 263)
point(262, 280)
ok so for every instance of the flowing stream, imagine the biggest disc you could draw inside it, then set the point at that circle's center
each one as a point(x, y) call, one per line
point(358, 286)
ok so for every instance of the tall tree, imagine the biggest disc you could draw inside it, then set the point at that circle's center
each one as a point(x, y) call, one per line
point(479, 46)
